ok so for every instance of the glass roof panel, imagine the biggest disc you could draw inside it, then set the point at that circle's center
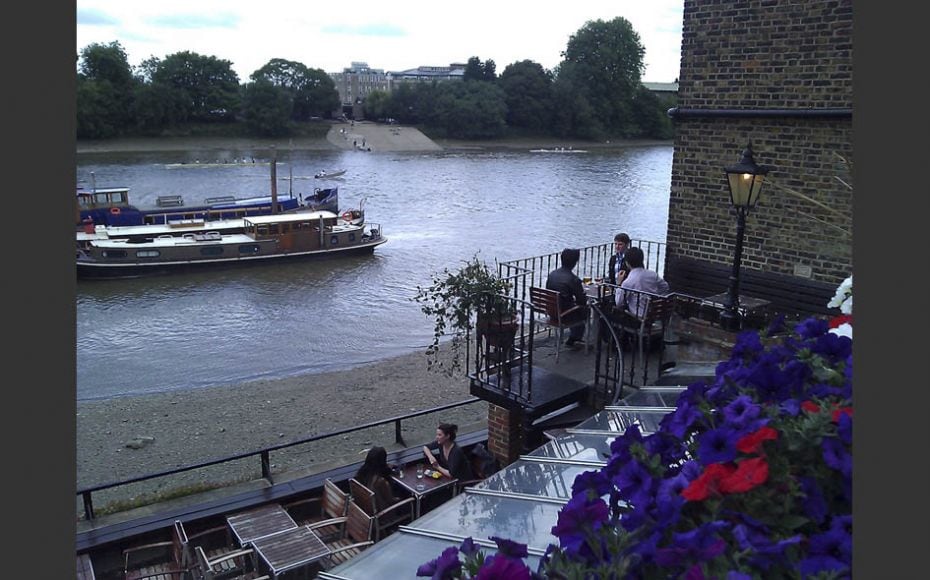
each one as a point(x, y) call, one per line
point(579, 446)
point(483, 516)
point(543, 479)
point(618, 421)
point(651, 398)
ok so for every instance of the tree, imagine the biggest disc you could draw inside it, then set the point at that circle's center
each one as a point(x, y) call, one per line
point(105, 91)
point(376, 104)
point(603, 62)
point(475, 70)
point(312, 90)
point(470, 110)
point(527, 90)
point(267, 108)
point(207, 86)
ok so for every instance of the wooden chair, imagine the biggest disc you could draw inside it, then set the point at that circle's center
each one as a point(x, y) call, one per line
point(483, 465)
point(238, 565)
point(332, 504)
point(356, 529)
point(655, 320)
point(215, 541)
point(157, 560)
point(386, 518)
point(546, 302)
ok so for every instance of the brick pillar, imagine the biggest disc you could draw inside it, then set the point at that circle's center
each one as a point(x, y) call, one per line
point(505, 433)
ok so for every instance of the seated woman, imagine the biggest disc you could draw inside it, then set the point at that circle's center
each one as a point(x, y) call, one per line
point(451, 460)
point(376, 476)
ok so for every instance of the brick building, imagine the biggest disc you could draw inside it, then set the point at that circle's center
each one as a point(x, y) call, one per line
point(777, 73)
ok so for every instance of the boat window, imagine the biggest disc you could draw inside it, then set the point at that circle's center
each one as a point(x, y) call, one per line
point(273, 229)
point(114, 253)
point(334, 241)
point(248, 249)
point(148, 254)
point(285, 228)
point(211, 251)
point(261, 230)
point(351, 236)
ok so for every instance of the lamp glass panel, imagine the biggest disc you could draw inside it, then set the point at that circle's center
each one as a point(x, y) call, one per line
point(740, 184)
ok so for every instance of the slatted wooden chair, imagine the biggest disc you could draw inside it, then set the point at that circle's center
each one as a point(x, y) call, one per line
point(215, 542)
point(384, 518)
point(356, 529)
point(656, 311)
point(238, 565)
point(546, 302)
point(333, 503)
point(156, 560)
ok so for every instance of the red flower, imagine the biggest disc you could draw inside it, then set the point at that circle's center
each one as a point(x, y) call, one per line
point(708, 482)
point(752, 443)
point(840, 411)
point(841, 319)
point(749, 473)
point(810, 407)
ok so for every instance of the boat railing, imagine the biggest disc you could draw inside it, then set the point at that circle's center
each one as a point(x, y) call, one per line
point(264, 454)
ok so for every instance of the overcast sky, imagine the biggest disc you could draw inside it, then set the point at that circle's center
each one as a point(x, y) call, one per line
point(387, 34)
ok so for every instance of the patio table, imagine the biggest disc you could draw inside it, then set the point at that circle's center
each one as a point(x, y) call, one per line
point(258, 522)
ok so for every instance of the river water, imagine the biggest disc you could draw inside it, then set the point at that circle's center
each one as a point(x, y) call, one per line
point(192, 330)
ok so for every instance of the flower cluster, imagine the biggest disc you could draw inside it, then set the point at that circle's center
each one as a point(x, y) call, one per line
point(750, 476)
point(842, 324)
point(506, 564)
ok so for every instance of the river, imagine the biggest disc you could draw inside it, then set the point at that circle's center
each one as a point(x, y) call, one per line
point(185, 331)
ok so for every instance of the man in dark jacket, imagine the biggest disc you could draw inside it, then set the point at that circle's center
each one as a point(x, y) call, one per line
point(571, 293)
point(617, 262)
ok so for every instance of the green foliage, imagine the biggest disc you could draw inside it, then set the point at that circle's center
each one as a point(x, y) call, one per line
point(267, 109)
point(451, 301)
point(104, 91)
point(475, 70)
point(469, 110)
point(207, 86)
point(527, 90)
point(312, 91)
point(376, 104)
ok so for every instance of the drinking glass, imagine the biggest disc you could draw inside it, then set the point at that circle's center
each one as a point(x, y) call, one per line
point(419, 472)
point(586, 279)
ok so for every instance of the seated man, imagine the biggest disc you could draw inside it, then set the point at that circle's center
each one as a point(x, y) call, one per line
point(571, 293)
point(640, 279)
point(617, 263)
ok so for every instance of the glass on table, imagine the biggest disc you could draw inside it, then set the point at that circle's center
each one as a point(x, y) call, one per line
point(419, 471)
point(586, 280)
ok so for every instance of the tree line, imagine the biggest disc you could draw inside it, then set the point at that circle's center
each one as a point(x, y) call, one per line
point(595, 93)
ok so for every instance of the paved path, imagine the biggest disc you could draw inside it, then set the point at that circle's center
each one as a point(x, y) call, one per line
point(364, 135)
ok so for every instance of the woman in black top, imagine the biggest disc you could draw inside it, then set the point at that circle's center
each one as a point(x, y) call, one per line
point(375, 474)
point(451, 460)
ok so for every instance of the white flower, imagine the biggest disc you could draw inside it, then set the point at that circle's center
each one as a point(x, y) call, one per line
point(843, 297)
point(844, 329)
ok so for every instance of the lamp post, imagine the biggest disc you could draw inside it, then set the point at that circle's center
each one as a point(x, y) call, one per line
point(745, 181)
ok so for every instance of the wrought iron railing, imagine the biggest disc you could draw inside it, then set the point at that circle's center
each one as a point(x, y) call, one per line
point(263, 454)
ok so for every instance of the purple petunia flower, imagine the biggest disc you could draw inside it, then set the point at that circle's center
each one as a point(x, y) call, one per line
point(633, 479)
point(680, 420)
point(500, 567)
point(844, 428)
point(791, 407)
point(736, 575)
point(833, 347)
point(812, 328)
point(814, 505)
point(747, 344)
point(468, 547)
point(820, 563)
point(443, 567)
point(717, 445)
point(836, 456)
point(509, 547)
point(740, 411)
point(593, 481)
point(576, 519)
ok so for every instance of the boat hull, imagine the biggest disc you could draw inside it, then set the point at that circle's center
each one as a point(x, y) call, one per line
point(134, 269)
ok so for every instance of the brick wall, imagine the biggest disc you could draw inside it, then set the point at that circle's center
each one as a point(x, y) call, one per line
point(505, 434)
point(754, 55)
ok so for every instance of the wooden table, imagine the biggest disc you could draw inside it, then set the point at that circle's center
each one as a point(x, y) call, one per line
point(290, 549)
point(410, 483)
point(259, 522)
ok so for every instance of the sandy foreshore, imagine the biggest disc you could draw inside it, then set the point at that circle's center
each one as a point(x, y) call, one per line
point(130, 436)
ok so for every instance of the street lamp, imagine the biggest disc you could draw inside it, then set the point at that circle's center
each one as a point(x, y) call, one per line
point(745, 181)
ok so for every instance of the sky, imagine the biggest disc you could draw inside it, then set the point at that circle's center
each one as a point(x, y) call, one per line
point(391, 35)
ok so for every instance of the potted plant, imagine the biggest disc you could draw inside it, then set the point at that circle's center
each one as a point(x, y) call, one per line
point(455, 297)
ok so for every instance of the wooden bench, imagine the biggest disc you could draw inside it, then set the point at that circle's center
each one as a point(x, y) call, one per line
point(789, 295)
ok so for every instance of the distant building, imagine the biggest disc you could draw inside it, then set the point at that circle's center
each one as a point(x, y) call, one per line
point(356, 82)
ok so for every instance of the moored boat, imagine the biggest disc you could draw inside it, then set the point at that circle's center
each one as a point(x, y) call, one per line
point(268, 237)
point(111, 207)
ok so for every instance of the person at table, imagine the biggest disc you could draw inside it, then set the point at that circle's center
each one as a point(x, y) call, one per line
point(617, 264)
point(450, 459)
point(571, 294)
point(375, 474)
point(640, 279)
